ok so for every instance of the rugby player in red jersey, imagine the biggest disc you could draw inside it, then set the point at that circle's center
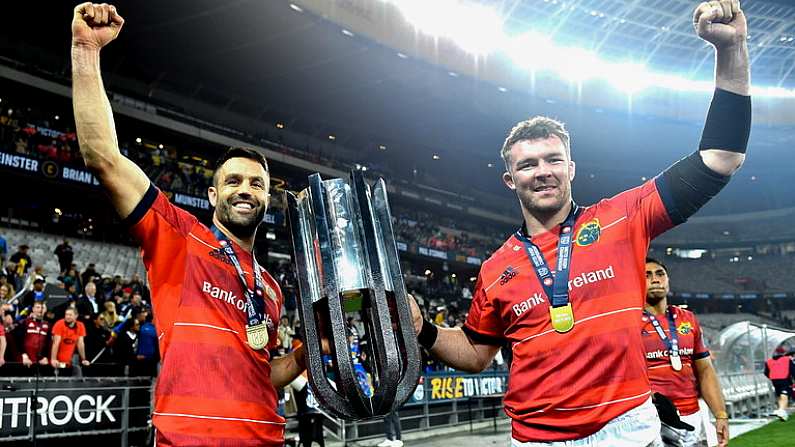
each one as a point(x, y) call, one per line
point(678, 360)
point(215, 309)
point(571, 305)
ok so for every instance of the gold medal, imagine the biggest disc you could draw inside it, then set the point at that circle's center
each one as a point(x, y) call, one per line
point(562, 318)
point(257, 336)
point(676, 362)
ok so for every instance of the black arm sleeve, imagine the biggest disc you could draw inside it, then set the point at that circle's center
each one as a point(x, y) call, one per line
point(687, 185)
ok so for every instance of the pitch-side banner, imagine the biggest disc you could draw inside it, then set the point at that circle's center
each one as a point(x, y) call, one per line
point(69, 405)
point(459, 386)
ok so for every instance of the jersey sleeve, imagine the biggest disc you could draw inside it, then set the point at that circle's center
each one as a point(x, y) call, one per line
point(2, 331)
point(645, 209)
point(700, 350)
point(484, 324)
point(161, 228)
point(81, 329)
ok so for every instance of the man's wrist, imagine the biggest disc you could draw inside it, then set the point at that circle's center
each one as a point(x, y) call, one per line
point(721, 415)
point(427, 336)
point(300, 357)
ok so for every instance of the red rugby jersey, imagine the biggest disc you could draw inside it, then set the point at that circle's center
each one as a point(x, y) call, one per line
point(679, 386)
point(213, 389)
point(568, 386)
point(35, 342)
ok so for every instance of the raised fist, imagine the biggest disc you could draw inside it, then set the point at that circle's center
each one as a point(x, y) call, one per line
point(95, 25)
point(721, 23)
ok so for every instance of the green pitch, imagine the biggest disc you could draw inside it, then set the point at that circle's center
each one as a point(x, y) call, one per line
point(774, 434)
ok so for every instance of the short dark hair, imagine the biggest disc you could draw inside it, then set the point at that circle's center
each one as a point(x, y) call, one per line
point(658, 262)
point(535, 128)
point(238, 152)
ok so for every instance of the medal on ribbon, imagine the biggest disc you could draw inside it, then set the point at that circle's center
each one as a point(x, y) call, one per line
point(257, 336)
point(672, 342)
point(256, 329)
point(676, 362)
point(555, 283)
point(562, 318)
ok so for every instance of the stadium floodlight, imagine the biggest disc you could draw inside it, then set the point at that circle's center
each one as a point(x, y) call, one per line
point(478, 29)
point(475, 28)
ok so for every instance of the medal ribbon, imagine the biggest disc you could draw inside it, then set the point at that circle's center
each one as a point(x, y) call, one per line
point(255, 304)
point(671, 343)
point(556, 286)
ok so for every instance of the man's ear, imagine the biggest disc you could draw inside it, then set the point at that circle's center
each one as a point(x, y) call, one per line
point(572, 170)
point(212, 195)
point(507, 178)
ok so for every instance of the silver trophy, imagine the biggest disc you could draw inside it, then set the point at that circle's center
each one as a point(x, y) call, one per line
point(347, 265)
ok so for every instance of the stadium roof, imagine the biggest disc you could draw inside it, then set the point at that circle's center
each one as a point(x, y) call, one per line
point(268, 61)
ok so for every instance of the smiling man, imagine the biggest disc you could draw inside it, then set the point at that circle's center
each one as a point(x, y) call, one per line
point(215, 308)
point(571, 309)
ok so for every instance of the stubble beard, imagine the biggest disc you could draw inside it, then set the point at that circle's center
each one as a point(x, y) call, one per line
point(240, 226)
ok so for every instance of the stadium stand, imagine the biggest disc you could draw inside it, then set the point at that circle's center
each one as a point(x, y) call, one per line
point(111, 259)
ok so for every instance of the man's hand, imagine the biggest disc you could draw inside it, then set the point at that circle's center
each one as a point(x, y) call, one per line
point(85, 362)
point(722, 427)
point(721, 23)
point(2, 361)
point(95, 25)
point(416, 314)
point(44, 361)
point(26, 361)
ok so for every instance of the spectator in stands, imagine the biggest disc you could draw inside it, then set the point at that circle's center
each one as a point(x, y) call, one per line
point(137, 285)
point(21, 260)
point(71, 278)
point(67, 334)
point(88, 304)
point(239, 196)
point(557, 392)
point(109, 315)
point(310, 419)
point(34, 338)
point(65, 255)
point(3, 250)
point(36, 295)
point(5, 293)
point(10, 275)
point(392, 429)
point(285, 334)
point(146, 353)
point(90, 274)
point(10, 292)
point(38, 273)
point(781, 371)
point(132, 306)
point(98, 351)
point(678, 361)
point(125, 345)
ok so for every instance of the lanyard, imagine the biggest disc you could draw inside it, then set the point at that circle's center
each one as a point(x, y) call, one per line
point(555, 284)
point(671, 343)
point(255, 304)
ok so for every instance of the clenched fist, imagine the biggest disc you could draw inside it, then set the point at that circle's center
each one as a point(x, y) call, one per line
point(95, 25)
point(721, 23)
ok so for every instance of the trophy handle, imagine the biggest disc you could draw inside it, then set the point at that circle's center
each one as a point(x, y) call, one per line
point(385, 349)
point(305, 254)
point(407, 338)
